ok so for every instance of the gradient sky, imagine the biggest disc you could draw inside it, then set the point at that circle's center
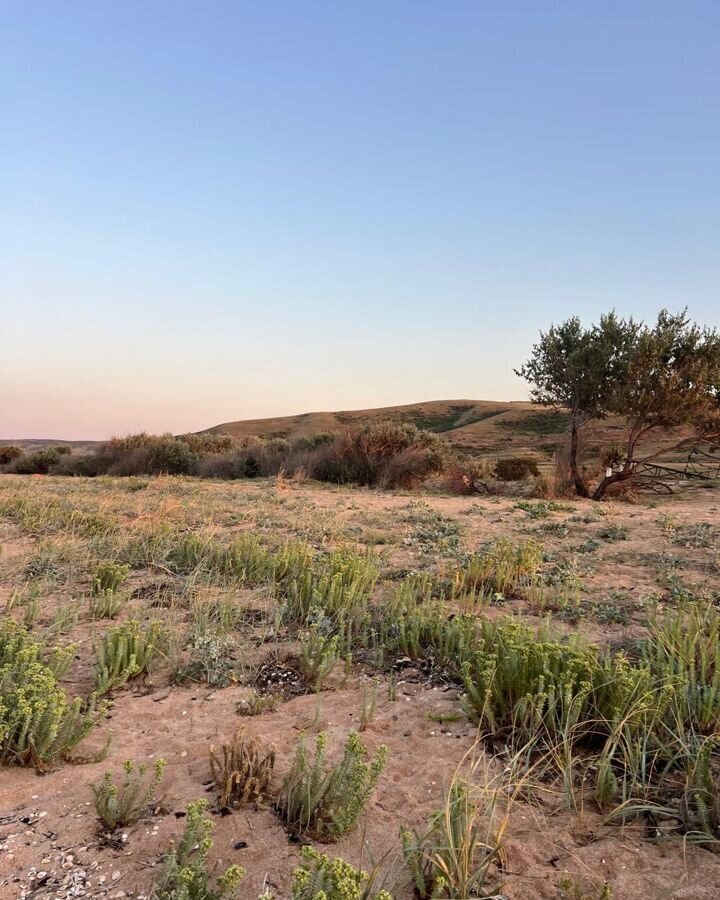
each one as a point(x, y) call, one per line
point(219, 210)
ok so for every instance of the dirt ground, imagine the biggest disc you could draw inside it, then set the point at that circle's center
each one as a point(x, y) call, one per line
point(604, 565)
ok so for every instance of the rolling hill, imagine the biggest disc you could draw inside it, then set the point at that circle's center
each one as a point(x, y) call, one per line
point(471, 426)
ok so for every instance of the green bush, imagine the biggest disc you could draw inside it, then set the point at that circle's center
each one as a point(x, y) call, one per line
point(184, 874)
point(126, 652)
point(326, 801)
point(108, 577)
point(321, 878)
point(123, 804)
point(38, 724)
point(38, 463)
point(9, 453)
point(386, 454)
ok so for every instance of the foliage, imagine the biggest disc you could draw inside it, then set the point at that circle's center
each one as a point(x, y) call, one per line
point(38, 724)
point(241, 770)
point(119, 805)
point(387, 454)
point(672, 380)
point(126, 652)
point(108, 577)
point(454, 855)
point(318, 655)
point(500, 567)
point(579, 369)
point(38, 463)
point(9, 453)
point(321, 878)
point(516, 468)
point(184, 874)
point(326, 801)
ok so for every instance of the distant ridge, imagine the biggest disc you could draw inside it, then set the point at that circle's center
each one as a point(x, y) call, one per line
point(470, 425)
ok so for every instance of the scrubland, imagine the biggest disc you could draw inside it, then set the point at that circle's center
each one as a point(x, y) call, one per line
point(488, 696)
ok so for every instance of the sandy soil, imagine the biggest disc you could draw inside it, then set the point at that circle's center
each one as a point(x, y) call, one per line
point(49, 839)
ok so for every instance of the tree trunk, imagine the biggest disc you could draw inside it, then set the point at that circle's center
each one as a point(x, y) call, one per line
point(580, 486)
point(623, 475)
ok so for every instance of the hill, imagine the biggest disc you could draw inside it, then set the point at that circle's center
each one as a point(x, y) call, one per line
point(471, 426)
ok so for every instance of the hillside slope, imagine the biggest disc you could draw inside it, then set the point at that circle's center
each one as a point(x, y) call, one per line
point(474, 426)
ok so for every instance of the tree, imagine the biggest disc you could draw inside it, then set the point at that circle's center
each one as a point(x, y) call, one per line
point(579, 369)
point(672, 381)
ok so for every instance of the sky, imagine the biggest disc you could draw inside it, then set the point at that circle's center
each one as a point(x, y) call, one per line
point(218, 210)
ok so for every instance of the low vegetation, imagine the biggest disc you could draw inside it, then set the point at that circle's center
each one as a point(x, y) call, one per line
point(190, 603)
point(185, 873)
point(241, 769)
point(324, 800)
point(122, 804)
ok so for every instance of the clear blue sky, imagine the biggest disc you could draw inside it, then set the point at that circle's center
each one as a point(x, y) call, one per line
point(215, 210)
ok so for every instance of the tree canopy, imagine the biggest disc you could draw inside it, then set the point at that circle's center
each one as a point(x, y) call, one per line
point(657, 378)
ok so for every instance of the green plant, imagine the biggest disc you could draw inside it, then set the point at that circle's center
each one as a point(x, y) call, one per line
point(541, 509)
point(242, 770)
point(368, 707)
point(318, 655)
point(108, 577)
point(454, 855)
point(326, 801)
point(9, 453)
point(571, 889)
point(212, 660)
point(321, 878)
point(38, 724)
point(501, 567)
point(38, 463)
point(257, 704)
point(126, 652)
point(614, 533)
point(184, 874)
point(119, 805)
point(107, 605)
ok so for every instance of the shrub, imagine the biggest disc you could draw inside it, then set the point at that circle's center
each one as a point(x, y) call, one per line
point(257, 704)
point(38, 463)
point(184, 874)
point(62, 450)
point(326, 801)
point(38, 724)
point(126, 652)
point(454, 855)
point(516, 468)
point(108, 577)
point(501, 567)
point(318, 655)
point(467, 477)
point(120, 805)
point(171, 457)
point(107, 605)
point(242, 771)
point(211, 660)
point(9, 453)
point(205, 443)
point(321, 878)
point(385, 454)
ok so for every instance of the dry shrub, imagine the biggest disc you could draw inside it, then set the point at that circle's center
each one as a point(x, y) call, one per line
point(242, 770)
point(9, 453)
point(516, 468)
point(468, 477)
point(384, 454)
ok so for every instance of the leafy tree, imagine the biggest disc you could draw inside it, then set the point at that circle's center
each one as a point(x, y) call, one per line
point(579, 369)
point(672, 382)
